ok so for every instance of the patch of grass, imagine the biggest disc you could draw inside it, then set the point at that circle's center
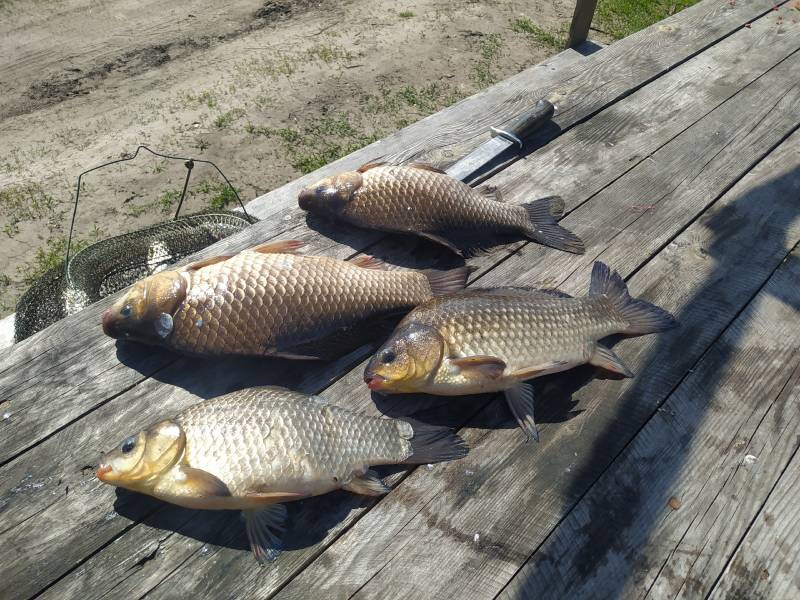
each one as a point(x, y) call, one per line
point(554, 39)
point(489, 50)
point(319, 141)
point(329, 53)
point(412, 100)
point(405, 14)
point(218, 193)
point(25, 202)
point(52, 255)
point(621, 18)
point(167, 199)
point(226, 119)
point(202, 144)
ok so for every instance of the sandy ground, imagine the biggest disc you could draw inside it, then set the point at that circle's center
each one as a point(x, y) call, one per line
point(267, 90)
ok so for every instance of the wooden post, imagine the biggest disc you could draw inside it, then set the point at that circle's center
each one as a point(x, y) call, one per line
point(581, 21)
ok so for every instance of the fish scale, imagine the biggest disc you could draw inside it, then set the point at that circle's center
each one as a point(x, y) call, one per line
point(253, 302)
point(275, 439)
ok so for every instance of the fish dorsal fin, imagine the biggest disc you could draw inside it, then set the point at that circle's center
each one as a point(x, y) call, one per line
point(522, 291)
point(370, 165)
point(425, 167)
point(489, 367)
point(520, 401)
point(366, 261)
point(205, 262)
point(264, 529)
point(280, 247)
point(369, 484)
point(492, 193)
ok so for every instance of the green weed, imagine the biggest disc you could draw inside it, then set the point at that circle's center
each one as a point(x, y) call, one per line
point(24, 202)
point(405, 14)
point(226, 119)
point(620, 18)
point(489, 50)
point(219, 194)
point(554, 39)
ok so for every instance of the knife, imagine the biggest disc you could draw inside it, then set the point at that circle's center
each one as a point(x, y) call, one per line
point(512, 135)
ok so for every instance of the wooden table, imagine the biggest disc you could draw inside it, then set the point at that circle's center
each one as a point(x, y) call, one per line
point(678, 152)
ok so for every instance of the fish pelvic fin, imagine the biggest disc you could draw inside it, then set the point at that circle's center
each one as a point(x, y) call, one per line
point(641, 317)
point(265, 526)
point(544, 228)
point(366, 261)
point(520, 401)
point(279, 247)
point(431, 444)
point(368, 484)
point(606, 359)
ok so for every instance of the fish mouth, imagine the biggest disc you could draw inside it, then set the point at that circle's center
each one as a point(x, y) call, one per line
point(109, 324)
point(375, 382)
point(304, 199)
point(103, 469)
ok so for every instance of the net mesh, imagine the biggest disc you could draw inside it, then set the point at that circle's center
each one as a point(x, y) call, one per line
point(115, 263)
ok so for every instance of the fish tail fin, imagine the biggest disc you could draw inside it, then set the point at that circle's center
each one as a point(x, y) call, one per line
point(544, 229)
point(432, 444)
point(445, 282)
point(642, 317)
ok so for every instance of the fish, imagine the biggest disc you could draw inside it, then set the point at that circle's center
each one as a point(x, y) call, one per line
point(422, 200)
point(497, 339)
point(256, 449)
point(271, 300)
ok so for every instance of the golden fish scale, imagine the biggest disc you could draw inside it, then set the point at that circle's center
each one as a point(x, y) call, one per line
point(266, 439)
point(396, 197)
point(253, 302)
point(521, 329)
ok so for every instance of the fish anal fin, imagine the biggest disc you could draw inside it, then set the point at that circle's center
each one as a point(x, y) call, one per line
point(439, 239)
point(489, 367)
point(366, 261)
point(206, 262)
point(520, 401)
point(605, 358)
point(368, 484)
point(554, 366)
point(264, 529)
point(425, 167)
point(370, 165)
point(279, 247)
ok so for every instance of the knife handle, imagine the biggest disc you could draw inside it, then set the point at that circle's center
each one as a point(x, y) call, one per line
point(526, 123)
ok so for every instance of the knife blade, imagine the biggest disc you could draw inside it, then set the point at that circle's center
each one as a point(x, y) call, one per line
point(512, 135)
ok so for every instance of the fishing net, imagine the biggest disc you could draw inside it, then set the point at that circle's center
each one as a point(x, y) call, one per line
point(112, 264)
point(115, 263)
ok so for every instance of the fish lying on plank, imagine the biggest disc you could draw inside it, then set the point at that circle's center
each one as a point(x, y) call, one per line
point(422, 200)
point(496, 339)
point(269, 300)
point(254, 449)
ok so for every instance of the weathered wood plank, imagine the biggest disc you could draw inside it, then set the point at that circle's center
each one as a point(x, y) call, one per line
point(765, 564)
point(667, 515)
point(415, 542)
point(620, 139)
point(89, 437)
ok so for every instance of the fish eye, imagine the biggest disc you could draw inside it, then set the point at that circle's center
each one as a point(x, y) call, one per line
point(126, 311)
point(128, 445)
point(320, 190)
point(388, 356)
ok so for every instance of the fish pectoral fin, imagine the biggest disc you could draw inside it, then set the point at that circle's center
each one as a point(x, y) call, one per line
point(264, 529)
point(365, 261)
point(438, 239)
point(425, 167)
point(489, 367)
point(197, 483)
point(538, 370)
point(197, 265)
point(370, 165)
point(520, 401)
point(491, 193)
point(280, 247)
point(368, 484)
point(606, 359)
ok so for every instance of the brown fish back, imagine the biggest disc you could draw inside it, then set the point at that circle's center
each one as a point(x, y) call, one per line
point(260, 304)
point(271, 439)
